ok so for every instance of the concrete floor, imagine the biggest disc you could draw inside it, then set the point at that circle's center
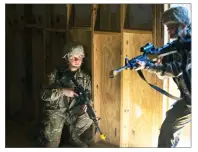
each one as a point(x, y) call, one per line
point(17, 137)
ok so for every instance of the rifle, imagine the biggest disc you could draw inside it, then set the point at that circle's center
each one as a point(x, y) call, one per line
point(150, 55)
point(84, 98)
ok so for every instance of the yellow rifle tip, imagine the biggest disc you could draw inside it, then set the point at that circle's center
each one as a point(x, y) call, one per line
point(102, 136)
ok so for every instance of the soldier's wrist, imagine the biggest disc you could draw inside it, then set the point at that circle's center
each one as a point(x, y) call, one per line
point(61, 91)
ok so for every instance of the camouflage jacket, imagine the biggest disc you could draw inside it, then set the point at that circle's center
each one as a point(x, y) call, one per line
point(54, 101)
point(171, 66)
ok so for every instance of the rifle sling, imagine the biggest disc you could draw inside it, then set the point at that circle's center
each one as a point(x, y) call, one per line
point(157, 88)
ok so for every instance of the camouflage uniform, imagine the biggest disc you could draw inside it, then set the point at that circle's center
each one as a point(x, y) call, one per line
point(171, 66)
point(56, 104)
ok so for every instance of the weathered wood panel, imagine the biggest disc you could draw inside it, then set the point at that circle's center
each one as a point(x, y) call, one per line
point(15, 70)
point(107, 91)
point(82, 15)
point(143, 99)
point(108, 18)
point(139, 17)
point(38, 12)
point(57, 44)
point(58, 16)
point(158, 40)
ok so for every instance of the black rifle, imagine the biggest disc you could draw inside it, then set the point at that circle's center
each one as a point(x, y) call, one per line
point(84, 98)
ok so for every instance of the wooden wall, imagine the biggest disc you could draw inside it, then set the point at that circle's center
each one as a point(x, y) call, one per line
point(143, 101)
point(35, 40)
point(16, 74)
point(107, 54)
point(130, 110)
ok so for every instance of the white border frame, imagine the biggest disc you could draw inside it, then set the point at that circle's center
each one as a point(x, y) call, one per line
point(194, 60)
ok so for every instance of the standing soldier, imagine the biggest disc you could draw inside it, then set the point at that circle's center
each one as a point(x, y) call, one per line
point(178, 67)
point(58, 96)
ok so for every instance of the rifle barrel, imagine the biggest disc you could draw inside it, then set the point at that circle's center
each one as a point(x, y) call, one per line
point(115, 72)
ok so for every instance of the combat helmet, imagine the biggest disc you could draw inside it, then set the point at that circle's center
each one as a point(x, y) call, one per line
point(73, 48)
point(177, 14)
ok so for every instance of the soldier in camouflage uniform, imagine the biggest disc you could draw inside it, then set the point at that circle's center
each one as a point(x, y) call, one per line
point(178, 23)
point(58, 96)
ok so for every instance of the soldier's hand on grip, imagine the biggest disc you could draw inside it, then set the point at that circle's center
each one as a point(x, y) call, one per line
point(69, 92)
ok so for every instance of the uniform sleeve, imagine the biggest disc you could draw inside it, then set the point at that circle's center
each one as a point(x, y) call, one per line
point(188, 67)
point(88, 87)
point(51, 88)
point(167, 69)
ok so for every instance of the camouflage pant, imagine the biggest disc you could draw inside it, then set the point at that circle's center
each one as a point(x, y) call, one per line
point(177, 118)
point(53, 127)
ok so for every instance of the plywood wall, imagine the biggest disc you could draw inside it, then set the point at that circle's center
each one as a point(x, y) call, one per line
point(107, 91)
point(15, 69)
point(144, 106)
point(38, 13)
point(109, 17)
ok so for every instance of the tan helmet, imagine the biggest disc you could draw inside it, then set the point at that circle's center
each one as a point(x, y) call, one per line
point(73, 48)
point(177, 14)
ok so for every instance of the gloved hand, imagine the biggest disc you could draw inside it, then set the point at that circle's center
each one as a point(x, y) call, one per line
point(142, 65)
point(69, 92)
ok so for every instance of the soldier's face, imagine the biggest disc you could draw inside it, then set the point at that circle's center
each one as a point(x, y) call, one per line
point(75, 61)
point(172, 30)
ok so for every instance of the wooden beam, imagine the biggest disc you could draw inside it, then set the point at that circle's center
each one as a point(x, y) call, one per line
point(94, 15)
point(95, 80)
point(123, 8)
point(158, 40)
point(44, 37)
point(69, 16)
point(106, 33)
point(137, 31)
point(124, 105)
point(28, 102)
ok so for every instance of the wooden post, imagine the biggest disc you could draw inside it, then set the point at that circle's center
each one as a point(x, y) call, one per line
point(95, 78)
point(69, 18)
point(124, 106)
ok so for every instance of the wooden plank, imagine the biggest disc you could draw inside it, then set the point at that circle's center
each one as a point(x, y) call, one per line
point(14, 59)
point(82, 28)
point(94, 16)
point(69, 20)
point(95, 68)
point(38, 56)
point(9, 38)
point(69, 12)
point(82, 15)
point(37, 14)
point(48, 53)
point(107, 91)
point(137, 31)
point(158, 40)
point(28, 102)
point(124, 112)
point(58, 38)
point(143, 99)
point(107, 33)
point(57, 45)
point(96, 79)
point(109, 17)
point(59, 16)
point(139, 17)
